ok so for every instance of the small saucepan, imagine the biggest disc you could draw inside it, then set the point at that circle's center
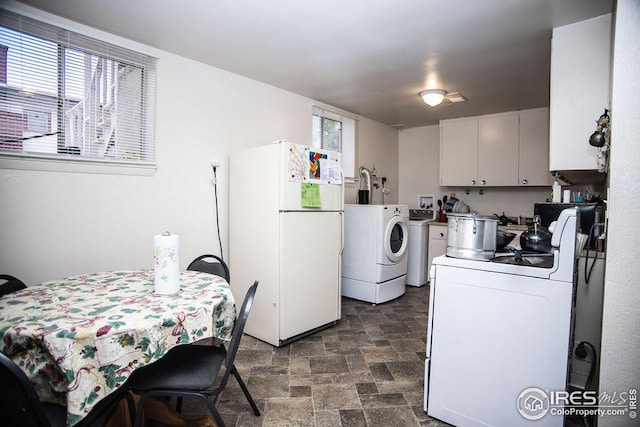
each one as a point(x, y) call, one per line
point(503, 238)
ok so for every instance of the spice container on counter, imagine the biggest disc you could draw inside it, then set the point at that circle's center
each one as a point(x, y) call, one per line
point(556, 192)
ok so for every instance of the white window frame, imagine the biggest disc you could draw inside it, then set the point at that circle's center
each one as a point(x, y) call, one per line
point(348, 140)
point(145, 164)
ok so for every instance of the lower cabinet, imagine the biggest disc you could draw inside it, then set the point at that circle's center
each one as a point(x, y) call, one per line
point(437, 242)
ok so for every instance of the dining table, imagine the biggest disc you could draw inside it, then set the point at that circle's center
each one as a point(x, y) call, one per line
point(79, 338)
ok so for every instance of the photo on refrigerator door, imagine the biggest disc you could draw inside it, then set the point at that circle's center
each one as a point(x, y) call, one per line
point(315, 163)
point(298, 168)
point(324, 167)
point(317, 166)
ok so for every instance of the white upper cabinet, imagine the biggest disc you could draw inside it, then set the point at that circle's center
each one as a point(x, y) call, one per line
point(459, 151)
point(533, 169)
point(580, 91)
point(498, 149)
point(495, 150)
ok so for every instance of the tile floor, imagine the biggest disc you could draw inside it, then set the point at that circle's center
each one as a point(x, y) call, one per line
point(366, 371)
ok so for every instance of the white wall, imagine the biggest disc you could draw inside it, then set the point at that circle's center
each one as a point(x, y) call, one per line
point(377, 147)
point(620, 359)
point(418, 155)
point(419, 150)
point(57, 224)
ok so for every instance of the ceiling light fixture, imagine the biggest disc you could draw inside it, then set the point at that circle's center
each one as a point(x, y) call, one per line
point(433, 97)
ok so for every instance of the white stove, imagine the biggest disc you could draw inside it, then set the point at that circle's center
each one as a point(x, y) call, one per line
point(562, 268)
point(497, 329)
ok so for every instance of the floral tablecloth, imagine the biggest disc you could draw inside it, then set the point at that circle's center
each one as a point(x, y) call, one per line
point(80, 338)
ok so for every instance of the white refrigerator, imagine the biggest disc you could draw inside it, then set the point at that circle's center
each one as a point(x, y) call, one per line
point(286, 206)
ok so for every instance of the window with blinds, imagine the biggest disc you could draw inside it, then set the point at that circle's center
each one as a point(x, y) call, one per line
point(66, 96)
point(336, 132)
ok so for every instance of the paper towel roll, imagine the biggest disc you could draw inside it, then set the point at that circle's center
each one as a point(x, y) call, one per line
point(166, 263)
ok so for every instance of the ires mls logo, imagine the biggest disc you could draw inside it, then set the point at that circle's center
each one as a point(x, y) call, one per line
point(533, 403)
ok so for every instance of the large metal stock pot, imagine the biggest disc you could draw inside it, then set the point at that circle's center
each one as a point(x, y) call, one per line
point(471, 236)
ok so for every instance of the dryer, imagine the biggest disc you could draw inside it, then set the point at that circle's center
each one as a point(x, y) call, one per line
point(374, 259)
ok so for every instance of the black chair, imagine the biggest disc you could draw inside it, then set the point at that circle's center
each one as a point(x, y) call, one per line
point(211, 264)
point(191, 370)
point(10, 285)
point(21, 406)
point(19, 402)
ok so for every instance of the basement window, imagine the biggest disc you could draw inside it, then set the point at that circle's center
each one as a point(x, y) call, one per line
point(73, 101)
point(336, 132)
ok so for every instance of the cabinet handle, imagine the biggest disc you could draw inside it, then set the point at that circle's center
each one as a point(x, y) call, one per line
point(525, 182)
point(473, 182)
point(483, 182)
point(441, 234)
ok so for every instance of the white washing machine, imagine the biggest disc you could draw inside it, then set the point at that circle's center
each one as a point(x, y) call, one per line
point(374, 259)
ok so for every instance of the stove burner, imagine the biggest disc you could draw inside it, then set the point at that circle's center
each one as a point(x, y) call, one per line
point(525, 259)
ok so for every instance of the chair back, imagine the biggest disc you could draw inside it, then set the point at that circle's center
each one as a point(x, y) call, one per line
point(241, 321)
point(11, 284)
point(211, 264)
point(19, 402)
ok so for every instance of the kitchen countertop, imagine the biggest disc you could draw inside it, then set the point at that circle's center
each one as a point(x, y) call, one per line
point(513, 228)
point(517, 229)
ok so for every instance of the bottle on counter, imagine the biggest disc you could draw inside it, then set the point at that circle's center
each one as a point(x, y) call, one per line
point(557, 192)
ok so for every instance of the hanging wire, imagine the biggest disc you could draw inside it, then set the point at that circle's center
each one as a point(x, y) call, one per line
point(587, 269)
point(215, 191)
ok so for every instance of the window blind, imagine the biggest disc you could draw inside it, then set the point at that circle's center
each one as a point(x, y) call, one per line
point(335, 131)
point(67, 96)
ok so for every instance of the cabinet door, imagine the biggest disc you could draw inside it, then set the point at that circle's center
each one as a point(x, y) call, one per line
point(580, 91)
point(459, 151)
point(498, 149)
point(437, 243)
point(534, 148)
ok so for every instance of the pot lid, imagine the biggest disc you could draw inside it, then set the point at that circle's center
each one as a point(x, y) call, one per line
point(472, 215)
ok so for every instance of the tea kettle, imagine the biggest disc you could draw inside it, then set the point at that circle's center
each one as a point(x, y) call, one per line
point(536, 239)
point(598, 138)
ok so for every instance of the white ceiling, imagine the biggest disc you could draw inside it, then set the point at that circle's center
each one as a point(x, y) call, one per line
point(369, 57)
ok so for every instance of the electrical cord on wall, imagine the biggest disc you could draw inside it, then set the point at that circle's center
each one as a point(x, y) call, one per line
point(584, 349)
point(215, 192)
point(587, 269)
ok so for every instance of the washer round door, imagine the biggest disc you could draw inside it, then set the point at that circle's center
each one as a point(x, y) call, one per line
point(395, 239)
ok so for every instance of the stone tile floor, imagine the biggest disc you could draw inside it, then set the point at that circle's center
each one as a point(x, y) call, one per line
point(366, 371)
